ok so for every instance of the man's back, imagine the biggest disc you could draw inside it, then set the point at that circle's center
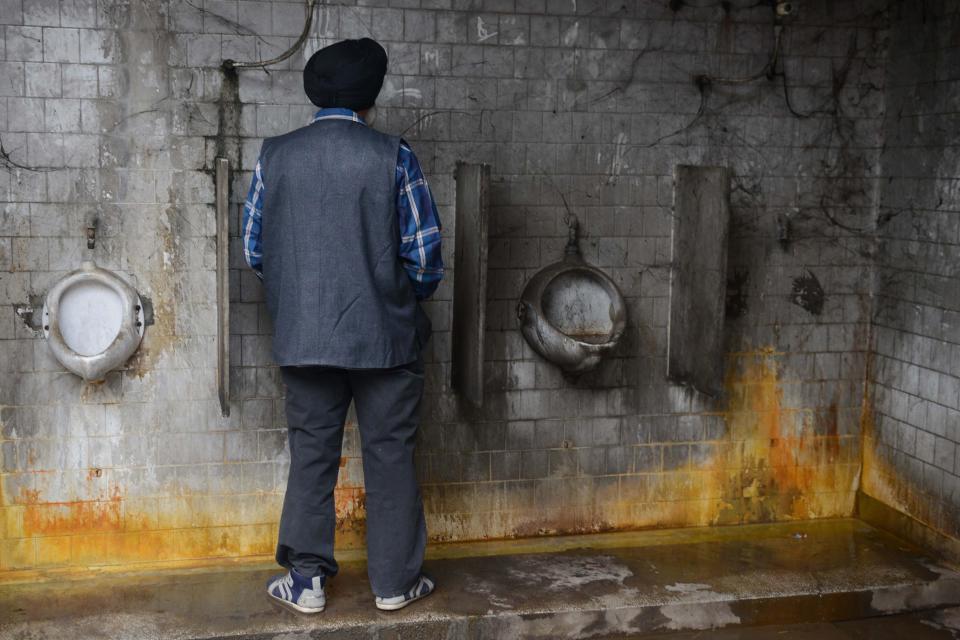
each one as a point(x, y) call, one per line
point(341, 225)
point(334, 285)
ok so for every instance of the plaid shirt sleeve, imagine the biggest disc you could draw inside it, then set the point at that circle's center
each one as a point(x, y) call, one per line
point(419, 225)
point(252, 214)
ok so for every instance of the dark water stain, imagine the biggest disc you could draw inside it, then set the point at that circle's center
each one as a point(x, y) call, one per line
point(227, 139)
point(737, 294)
point(808, 293)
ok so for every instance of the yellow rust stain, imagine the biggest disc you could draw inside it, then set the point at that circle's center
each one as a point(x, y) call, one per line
point(114, 530)
point(888, 485)
point(787, 468)
point(349, 503)
point(42, 518)
point(880, 480)
point(885, 483)
point(776, 462)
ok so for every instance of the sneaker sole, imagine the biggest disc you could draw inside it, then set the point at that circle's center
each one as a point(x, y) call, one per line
point(295, 606)
point(400, 605)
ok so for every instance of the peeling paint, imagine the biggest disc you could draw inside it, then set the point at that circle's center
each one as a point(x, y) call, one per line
point(29, 313)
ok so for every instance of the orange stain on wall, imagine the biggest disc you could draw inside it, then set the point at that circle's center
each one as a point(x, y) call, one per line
point(792, 458)
point(883, 481)
point(776, 461)
point(42, 518)
point(114, 530)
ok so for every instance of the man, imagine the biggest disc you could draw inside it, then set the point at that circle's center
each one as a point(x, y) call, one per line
point(342, 228)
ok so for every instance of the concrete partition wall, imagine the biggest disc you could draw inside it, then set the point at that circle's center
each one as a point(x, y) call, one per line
point(698, 278)
point(469, 322)
point(112, 113)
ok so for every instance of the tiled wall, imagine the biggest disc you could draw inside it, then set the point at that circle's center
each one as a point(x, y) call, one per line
point(912, 449)
point(118, 108)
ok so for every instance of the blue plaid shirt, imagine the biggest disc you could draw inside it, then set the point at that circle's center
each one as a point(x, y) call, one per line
point(419, 220)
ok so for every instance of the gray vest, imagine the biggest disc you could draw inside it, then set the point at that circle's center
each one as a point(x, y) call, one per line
point(332, 276)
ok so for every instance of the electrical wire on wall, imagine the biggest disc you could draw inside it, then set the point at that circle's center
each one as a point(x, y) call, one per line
point(259, 64)
point(768, 71)
point(705, 82)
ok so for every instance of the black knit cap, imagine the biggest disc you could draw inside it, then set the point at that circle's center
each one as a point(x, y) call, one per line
point(346, 74)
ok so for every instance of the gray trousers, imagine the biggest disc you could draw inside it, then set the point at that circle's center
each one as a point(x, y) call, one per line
point(387, 405)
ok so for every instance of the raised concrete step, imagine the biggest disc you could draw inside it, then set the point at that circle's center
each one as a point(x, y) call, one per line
point(586, 586)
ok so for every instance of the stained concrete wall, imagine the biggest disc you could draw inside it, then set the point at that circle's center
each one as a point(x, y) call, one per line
point(912, 445)
point(114, 110)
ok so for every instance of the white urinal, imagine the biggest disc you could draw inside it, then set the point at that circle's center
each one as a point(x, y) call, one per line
point(93, 321)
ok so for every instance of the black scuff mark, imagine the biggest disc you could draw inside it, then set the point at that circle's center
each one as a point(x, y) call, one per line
point(147, 304)
point(784, 232)
point(737, 293)
point(808, 293)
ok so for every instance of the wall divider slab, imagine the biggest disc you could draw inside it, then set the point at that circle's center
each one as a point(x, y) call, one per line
point(698, 277)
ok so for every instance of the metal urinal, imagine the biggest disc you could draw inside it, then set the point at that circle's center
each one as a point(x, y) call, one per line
point(571, 312)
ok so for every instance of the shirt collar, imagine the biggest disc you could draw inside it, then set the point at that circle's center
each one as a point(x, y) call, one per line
point(337, 113)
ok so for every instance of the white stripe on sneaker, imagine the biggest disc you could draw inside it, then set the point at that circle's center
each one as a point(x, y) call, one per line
point(423, 587)
point(281, 589)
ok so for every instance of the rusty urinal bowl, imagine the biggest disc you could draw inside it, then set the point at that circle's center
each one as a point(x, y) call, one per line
point(572, 313)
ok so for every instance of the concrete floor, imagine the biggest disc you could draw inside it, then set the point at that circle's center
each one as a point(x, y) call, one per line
point(939, 624)
point(614, 585)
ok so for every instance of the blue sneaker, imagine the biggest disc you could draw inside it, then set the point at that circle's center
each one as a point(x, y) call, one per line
point(424, 587)
point(298, 592)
